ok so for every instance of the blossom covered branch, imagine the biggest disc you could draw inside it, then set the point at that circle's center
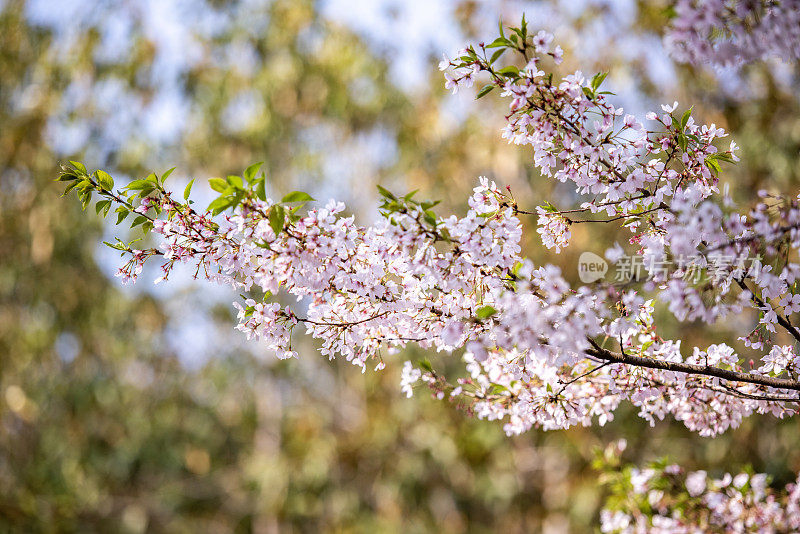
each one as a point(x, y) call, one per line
point(539, 352)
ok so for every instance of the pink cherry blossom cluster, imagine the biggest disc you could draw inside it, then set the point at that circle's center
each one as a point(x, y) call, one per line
point(728, 32)
point(363, 288)
point(693, 503)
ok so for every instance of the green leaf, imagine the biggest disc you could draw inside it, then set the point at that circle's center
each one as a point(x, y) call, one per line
point(105, 180)
point(485, 91)
point(386, 193)
point(70, 187)
point(141, 219)
point(251, 171)
point(122, 214)
point(496, 55)
point(138, 185)
point(66, 175)
point(500, 27)
point(277, 217)
point(510, 71)
point(712, 164)
point(116, 246)
point(292, 213)
point(485, 312)
point(682, 141)
point(166, 174)
point(497, 43)
point(188, 190)
point(79, 166)
point(102, 204)
point(724, 156)
point(425, 364)
point(219, 205)
point(685, 117)
point(218, 184)
point(598, 79)
point(549, 207)
point(261, 187)
point(85, 198)
point(236, 181)
point(297, 196)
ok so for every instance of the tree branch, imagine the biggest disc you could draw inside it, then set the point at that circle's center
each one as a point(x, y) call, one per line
point(692, 369)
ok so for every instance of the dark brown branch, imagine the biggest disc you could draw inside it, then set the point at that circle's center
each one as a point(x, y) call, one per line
point(692, 369)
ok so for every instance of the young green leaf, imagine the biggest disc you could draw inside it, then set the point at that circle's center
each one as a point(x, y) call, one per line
point(598, 79)
point(297, 196)
point(497, 43)
point(485, 312)
point(219, 205)
point(105, 180)
point(261, 187)
point(251, 172)
point(218, 184)
point(484, 91)
point(122, 214)
point(188, 190)
point(277, 217)
point(511, 71)
point(496, 55)
point(386, 193)
point(425, 364)
point(79, 166)
point(685, 118)
point(166, 174)
point(139, 185)
point(102, 205)
point(235, 181)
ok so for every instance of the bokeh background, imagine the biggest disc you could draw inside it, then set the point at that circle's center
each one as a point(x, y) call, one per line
point(140, 409)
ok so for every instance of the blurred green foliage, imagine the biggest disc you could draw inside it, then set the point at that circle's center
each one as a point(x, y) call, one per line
point(103, 428)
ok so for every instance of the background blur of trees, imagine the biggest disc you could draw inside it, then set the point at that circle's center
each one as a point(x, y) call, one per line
point(139, 409)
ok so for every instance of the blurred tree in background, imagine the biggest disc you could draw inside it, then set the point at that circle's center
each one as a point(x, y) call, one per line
point(108, 424)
